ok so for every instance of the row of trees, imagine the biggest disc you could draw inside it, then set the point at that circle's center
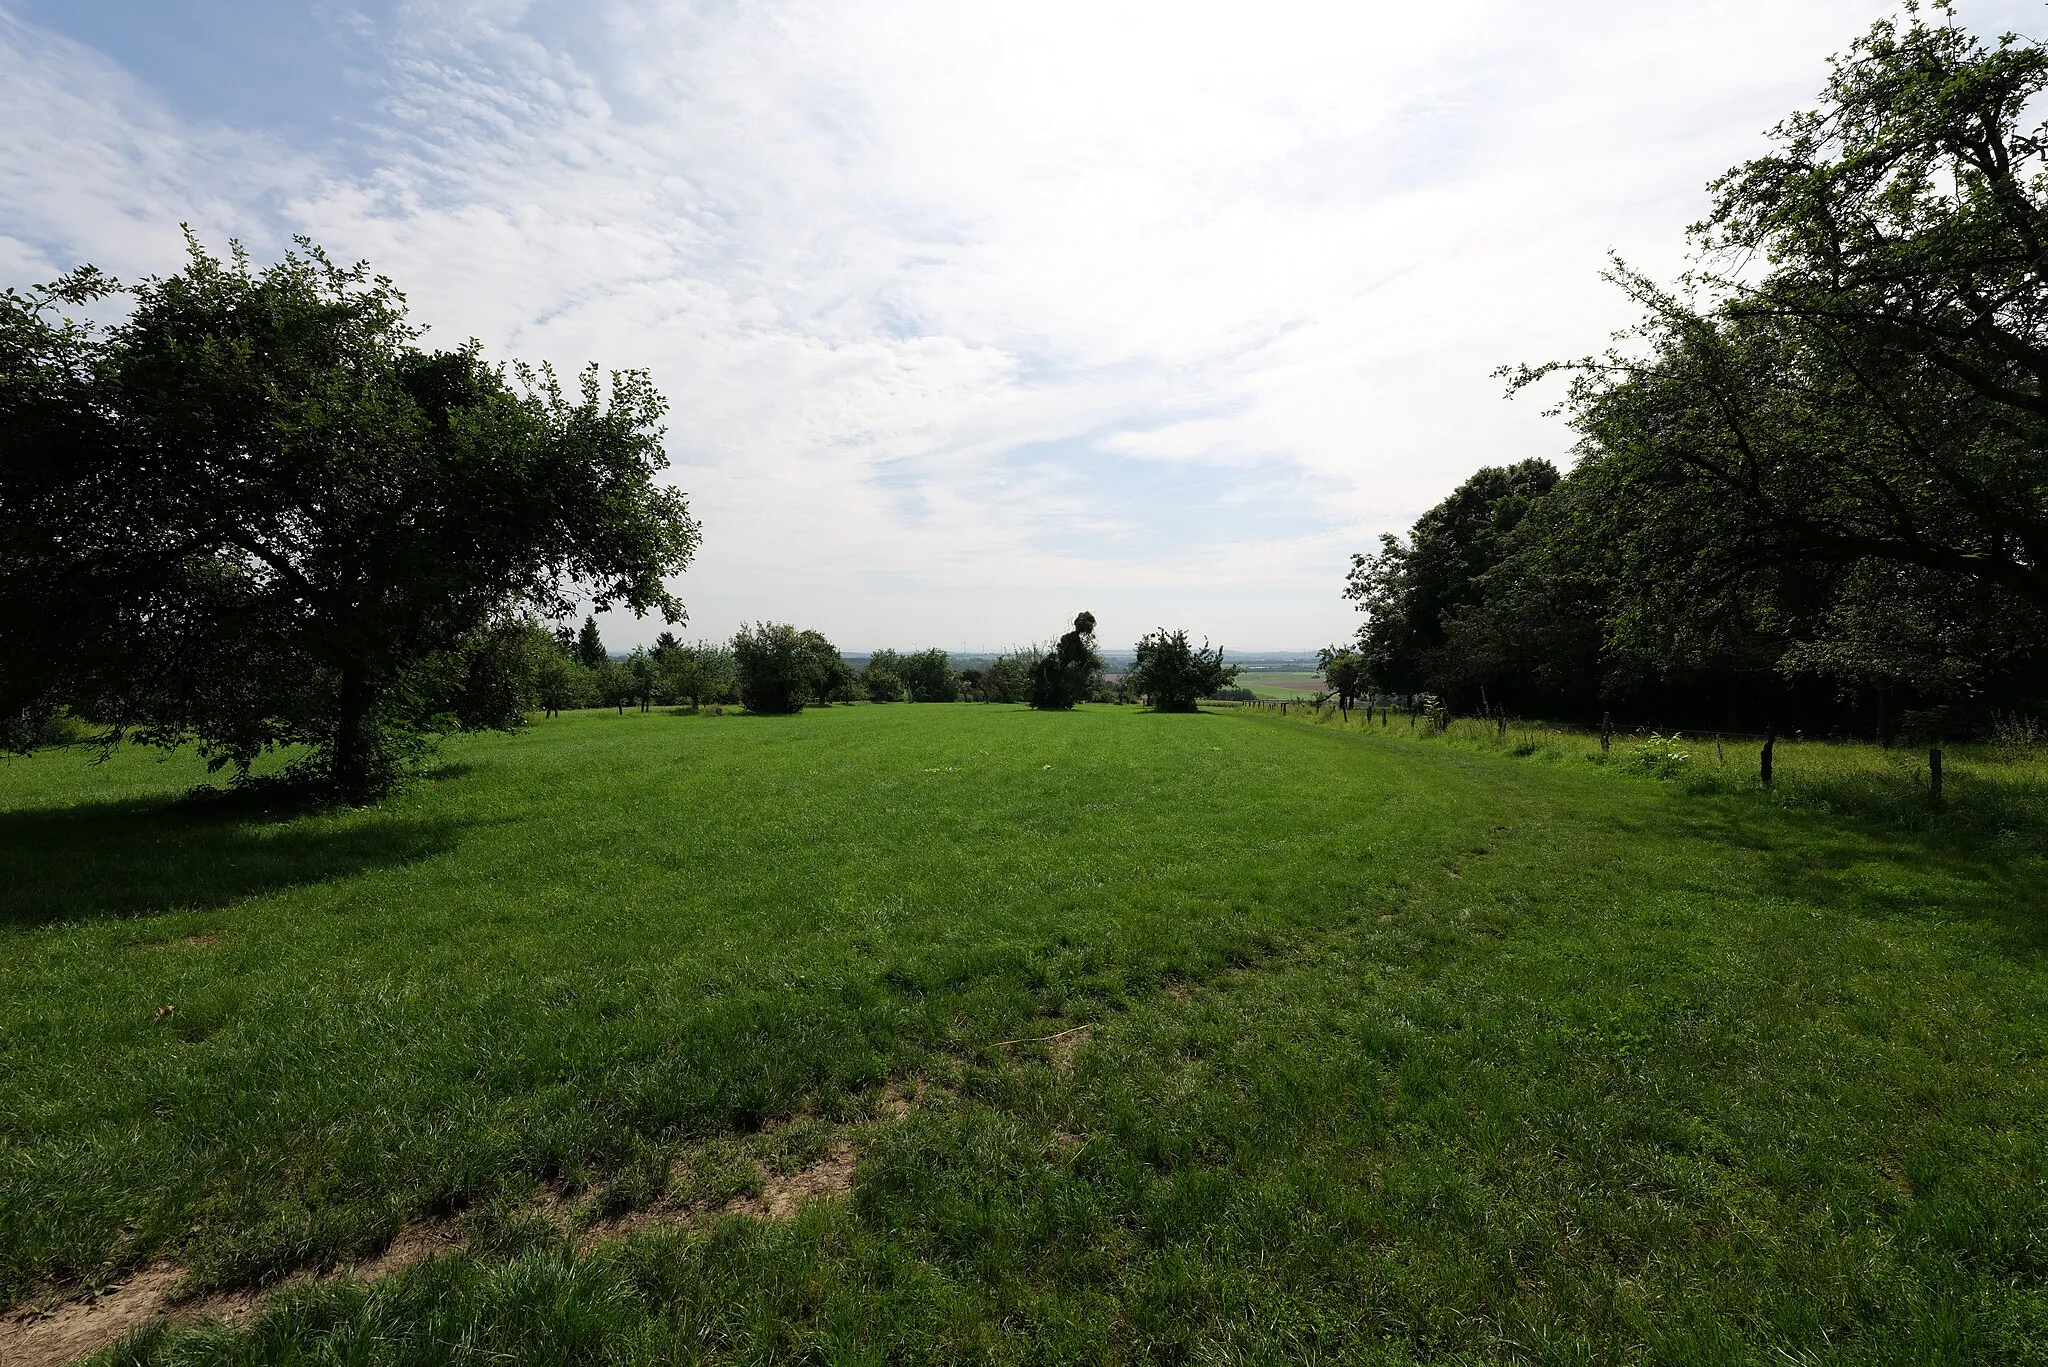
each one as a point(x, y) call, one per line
point(773, 667)
point(1811, 488)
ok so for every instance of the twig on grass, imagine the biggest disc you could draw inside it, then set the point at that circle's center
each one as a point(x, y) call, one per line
point(1042, 1039)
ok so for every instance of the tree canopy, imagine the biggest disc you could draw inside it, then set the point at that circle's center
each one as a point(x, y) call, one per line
point(1813, 480)
point(255, 512)
point(1173, 675)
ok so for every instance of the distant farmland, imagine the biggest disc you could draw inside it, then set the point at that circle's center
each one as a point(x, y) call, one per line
point(1280, 683)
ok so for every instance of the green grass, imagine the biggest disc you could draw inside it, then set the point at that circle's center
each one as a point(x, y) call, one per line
point(1407, 1048)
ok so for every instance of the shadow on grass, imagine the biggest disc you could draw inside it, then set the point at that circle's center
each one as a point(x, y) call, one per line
point(1868, 863)
point(144, 857)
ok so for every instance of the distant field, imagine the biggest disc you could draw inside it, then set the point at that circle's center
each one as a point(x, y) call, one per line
point(1104, 1036)
point(1270, 683)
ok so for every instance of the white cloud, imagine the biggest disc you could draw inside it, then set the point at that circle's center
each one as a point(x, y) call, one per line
point(973, 315)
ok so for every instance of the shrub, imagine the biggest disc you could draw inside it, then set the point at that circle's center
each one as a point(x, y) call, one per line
point(1008, 679)
point(883, 678)
point(779, 670)
point(700, 673)
point(1660, 755)
point(929, 677)
point(1172, 675)
point(835, 679)
point(1072, 670)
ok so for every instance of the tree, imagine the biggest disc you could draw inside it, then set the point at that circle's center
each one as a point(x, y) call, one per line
point(1343, 669)
point(1881, 391)
point(258, 508)
point(702, 672)
point(883, 678)
point(781, 669)
point(1409, 592)
point(1172, 675)
point(641, 665)
point(616, 684)
point(1825, 457)
point(559, 682)
point(836, 681)
point(1009, 678)
point(590, 651)
point(929, 676)
point(1069, 672)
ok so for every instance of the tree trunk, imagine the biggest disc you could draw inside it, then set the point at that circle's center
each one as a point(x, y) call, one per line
point(1770, 744)
point(355, 742)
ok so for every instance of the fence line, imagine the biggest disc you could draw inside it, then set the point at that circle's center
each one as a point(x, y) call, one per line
point(1308, 706)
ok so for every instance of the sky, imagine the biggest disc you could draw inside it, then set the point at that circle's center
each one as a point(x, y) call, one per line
point(970, 315)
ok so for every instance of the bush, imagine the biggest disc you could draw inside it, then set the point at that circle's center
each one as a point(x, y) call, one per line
point(929, 677)
point(883, 678)
point(2017, 737)
point(1071, 671)
point(836, 681)
point(1172, 675)
point(699, 674)
point(1008, 679)
point(779, 670)
point(1660, 755)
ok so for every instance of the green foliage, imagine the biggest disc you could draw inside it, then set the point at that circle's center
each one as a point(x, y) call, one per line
point(1663, 756)
point(1825, 457)
point(1400, 1048)
point(1007, 679)
point(1172, 675)
point(617, 684)
point(777, 674)
point(698, 673)
point(929, 676)
point(252, 511)
point(1812, 487)
point(882, 680)
point(1409, 592)
point(1069, 673)
point(590, 651)
point(780, 669)
point(836, 681)
point(1345, 670)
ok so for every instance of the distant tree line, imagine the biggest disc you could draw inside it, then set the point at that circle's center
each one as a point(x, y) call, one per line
point(1811, 489)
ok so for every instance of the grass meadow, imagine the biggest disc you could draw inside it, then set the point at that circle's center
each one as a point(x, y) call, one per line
point(1399, 1048)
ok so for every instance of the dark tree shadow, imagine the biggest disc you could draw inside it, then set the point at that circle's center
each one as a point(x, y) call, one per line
point(143, 857)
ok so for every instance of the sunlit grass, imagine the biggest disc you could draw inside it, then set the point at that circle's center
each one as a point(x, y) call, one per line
point(1404, 1048)
point(1987, 789)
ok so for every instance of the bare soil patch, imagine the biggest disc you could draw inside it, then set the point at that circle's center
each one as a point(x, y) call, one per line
point(56, 1334)
point(35, 1337)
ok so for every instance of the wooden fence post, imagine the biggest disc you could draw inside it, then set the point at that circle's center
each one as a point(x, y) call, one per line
point(1770, 744)
point(1934, 774)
